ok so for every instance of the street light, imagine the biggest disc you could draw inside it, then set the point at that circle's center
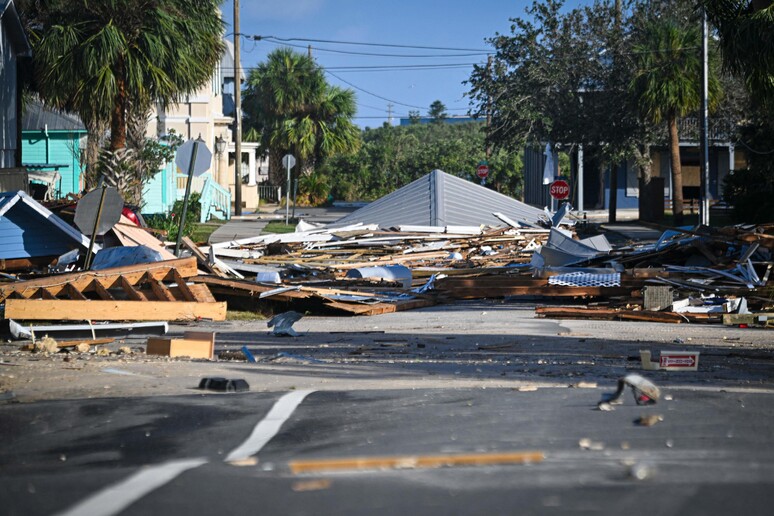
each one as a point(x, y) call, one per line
point(220, 148)
point(220, 145)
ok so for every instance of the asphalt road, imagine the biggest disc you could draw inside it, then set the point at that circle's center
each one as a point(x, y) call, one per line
point(218, 454)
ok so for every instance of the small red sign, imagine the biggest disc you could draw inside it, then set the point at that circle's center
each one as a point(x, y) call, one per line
point(482, 171)
point(678, 361)
point(560, 189)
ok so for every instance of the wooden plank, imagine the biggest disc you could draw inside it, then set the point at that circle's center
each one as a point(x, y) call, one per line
point(101, 291)
point(188, 294)
point(91, 342)
point(495, 292)
point(90, 310)
point(73, 293)
point(609, 314)
point(131, 292)
point(414, 461)
point(160, 290)
point(201, 293)
point(186, 267)
point(45, 294)
point(201, 258)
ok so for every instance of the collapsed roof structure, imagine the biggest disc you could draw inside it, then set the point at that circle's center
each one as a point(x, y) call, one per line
point(441, 199)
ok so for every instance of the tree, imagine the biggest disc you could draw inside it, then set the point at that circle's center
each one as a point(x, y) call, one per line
point(100, 59)
point(392, 157)
point(746, 31)
point(667, 86)
point(562, 77)
point(437, 112)
point(296, 111)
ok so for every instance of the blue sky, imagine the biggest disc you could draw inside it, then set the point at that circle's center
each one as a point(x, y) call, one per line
point(463, 24)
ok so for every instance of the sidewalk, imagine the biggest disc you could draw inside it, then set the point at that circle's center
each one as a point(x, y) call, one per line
point(253, 224)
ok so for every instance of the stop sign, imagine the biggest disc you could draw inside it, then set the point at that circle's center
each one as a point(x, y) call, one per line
point(482, 170)
point(560, 189)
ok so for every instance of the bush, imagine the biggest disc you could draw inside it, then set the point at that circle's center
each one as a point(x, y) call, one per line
point(171, 222)
point(751, 193)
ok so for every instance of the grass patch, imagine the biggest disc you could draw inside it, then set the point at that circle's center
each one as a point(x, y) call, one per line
point(239, 315)
point(279, 226)
point(202, 231)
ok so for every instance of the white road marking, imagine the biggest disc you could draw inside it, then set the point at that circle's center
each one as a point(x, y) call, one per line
point(121, 495)
point(117, 497)
point(268, 427)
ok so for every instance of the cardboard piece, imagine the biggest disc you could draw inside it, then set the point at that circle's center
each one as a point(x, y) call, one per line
point(194, 344)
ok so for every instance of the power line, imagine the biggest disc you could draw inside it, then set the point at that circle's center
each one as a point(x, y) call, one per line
point(380, 68)
point(258, 38)
point(385, 98)
point(373, 54)
point(372, 94)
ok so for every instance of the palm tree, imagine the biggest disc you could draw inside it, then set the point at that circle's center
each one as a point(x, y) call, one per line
point(746, 31)
point(100, 58)
point(667, 85)
point(289, 102)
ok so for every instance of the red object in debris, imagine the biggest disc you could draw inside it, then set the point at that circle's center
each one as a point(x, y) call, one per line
point(129, 214)
point(743, 326)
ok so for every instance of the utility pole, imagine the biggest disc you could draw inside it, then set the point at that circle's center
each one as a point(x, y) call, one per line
point(705, 191)
point(488, 109)
point(309, 51)
point(389, 113)
point(238, 115)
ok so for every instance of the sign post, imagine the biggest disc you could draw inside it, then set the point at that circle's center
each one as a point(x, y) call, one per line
point(560, 189)
point(289, 162)
point(196, 157)
point(96, 213)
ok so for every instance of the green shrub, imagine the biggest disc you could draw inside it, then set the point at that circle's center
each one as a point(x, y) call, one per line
point(171, 221)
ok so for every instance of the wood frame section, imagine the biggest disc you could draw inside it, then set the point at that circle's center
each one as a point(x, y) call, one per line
point(127, 278)
point(90, 310)
point(242, 288)
point(117, 292)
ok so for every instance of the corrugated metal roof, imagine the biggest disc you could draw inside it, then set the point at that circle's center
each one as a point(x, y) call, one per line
point(37, 116)
point(440, 199)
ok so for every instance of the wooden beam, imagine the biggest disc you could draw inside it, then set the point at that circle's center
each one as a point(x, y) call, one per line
point(101, 291)
point(188, 295)
point(45, 294)
point(185, 267)
point(159, 289)
point(201, 258)
point(72, 292)
point(90, 310)
point(131, 292)
point(414, 461)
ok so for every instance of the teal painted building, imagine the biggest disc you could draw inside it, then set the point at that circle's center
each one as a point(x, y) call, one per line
point(52, 141)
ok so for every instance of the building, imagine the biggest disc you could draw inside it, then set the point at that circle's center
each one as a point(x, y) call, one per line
point(724, 157)
point(51, 149)
point(13, 47)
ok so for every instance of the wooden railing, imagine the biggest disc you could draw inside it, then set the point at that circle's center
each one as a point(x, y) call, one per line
point(214, 198)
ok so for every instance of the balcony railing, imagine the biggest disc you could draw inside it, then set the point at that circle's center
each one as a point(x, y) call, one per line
point(718, 130)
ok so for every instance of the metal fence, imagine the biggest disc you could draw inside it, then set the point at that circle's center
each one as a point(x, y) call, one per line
point(269, 194)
